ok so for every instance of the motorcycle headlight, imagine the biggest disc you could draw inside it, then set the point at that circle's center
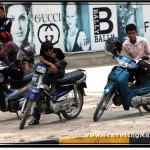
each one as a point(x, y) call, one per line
point(41, 69)
point(124, 64)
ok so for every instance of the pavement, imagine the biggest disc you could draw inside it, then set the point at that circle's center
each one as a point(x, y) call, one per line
point(116, 126)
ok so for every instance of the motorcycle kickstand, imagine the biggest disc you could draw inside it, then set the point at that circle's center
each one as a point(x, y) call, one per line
point(60, 118)
point(17, 115)
point(140, 111)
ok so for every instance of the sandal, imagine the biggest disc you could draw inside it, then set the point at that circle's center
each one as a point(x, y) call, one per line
point(33, 122)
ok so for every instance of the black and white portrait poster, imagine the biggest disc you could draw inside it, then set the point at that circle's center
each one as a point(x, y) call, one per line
point(47, 19)
point(76, 27)
point(130, 13)
point(22, 23)
point(103, 23)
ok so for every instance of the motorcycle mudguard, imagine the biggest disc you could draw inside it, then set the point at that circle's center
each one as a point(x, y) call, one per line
point(33, 91)
point(81, 86)
point(32, 95)
point(121, 76)
point(110, 86)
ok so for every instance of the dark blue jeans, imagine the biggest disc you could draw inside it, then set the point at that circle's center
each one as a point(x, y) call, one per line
point(51, 79)
point(48, 79)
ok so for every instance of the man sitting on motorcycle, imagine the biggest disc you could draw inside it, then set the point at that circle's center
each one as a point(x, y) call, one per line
point(8, 55)
point(135, 47)
point(53, 58)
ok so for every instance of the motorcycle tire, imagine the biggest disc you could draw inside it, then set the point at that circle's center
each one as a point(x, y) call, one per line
point(102, 105)
point(22, 113)
point(26, 114)
point(80, 100)
point(146, 107)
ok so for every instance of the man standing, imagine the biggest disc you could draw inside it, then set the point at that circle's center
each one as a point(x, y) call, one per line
point(5, 23)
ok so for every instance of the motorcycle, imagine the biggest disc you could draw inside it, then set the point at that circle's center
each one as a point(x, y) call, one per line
point(69, 94)
point(15, 90)
point(118, 92)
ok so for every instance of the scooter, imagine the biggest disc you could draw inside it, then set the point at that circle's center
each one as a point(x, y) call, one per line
point(15, 90)
point(69, 94)
point(118, 91)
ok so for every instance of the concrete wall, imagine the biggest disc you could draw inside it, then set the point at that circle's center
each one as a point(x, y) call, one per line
point(86, 60)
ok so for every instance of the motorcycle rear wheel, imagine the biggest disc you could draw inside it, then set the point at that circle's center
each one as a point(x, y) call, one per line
point(102, 105)
point(73, 113)
point(146, 107)
point(26, 114)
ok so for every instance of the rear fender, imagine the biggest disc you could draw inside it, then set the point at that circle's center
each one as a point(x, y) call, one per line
point(81, 86)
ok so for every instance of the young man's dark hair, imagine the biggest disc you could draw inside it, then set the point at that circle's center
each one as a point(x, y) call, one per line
point(46, 45)
point(131, 27)
point(1, 7)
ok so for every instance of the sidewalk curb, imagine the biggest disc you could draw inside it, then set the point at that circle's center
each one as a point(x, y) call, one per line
point(94, 140)
point(107, 140)
point(135, 138)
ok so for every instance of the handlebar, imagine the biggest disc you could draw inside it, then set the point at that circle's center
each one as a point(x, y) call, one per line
point(145, 58)
point(48, 69)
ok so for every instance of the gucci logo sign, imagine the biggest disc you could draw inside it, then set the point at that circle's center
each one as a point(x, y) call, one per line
point(49, 32)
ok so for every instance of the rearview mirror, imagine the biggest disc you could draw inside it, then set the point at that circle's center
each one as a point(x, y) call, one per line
point(20, 55)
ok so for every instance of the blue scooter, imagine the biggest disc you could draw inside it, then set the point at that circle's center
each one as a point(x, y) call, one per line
point(118, 91)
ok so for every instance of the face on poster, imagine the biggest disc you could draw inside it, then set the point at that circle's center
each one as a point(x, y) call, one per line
point(47, 19)
point(22, 26)
point(76, 26)
point(103, 24)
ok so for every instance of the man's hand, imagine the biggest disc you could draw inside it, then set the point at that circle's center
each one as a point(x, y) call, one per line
point(30, 65)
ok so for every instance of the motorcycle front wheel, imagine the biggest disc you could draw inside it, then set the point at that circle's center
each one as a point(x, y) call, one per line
point(26, 114)
point(73, 113)
point(102, 105)
point(147, 107)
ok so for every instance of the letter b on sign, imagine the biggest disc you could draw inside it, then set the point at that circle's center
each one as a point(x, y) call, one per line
point(100, 19)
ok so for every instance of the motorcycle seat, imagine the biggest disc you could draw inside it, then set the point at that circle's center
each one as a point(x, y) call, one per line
point(19, 83)
point(71, 77)
point(143, 79)
point(27, 76)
